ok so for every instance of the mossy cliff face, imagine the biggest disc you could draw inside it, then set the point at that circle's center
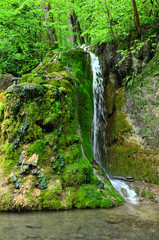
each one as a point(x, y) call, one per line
point(41, 161)
point(132, 130)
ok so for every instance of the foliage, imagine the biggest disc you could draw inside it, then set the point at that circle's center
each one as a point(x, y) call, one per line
point(151, 195)
point(1, 110)
point(143, 193)
point(25, 27)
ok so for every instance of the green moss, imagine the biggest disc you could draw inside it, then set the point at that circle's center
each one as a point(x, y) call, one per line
point(38, 147)
point(119, 99)
point(117, 124)
point(6, 201)
point(101, 172)
point(110, 98)
point(28, 78)
point(73, 153)
point(78, 173)
point(54, 67)
point(71, 195)
point(1, 111)
point(130, 160)
point(44, 119)
point(31, 203)
point(80, 65)
point(117, 127)
point(37, 80)
point(88, 196)
point(11, 158)
point(47, 67)
point(49, 199)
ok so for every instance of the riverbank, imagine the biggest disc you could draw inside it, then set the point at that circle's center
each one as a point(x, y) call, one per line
point(147, 193)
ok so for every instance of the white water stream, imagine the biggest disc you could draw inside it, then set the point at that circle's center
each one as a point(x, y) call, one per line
point(98, 127)
point(99, 110)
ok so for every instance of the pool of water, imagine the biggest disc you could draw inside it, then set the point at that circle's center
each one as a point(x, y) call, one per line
point(124, 222)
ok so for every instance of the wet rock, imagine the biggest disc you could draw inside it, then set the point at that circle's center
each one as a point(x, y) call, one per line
point(113, 219)
point(15, 80)
point(6, 80)
point(124, 178)
point(124, 191)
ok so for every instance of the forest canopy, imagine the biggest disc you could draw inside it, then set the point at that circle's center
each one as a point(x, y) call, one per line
point(31, 28)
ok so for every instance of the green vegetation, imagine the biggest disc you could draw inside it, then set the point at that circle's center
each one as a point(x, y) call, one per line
point(143, 193)
point(45, 129)
point(41, 141)
point(29, 29)
point(1, 110)
point(84, 92)
point(151, 195)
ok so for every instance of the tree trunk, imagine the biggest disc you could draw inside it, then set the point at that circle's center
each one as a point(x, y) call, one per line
point(77, 28)
point(40, 38)
point(70, 26)
point(50, 30)
point(136, 19)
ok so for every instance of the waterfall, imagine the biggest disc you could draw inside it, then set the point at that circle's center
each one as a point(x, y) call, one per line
point(99, 121)
point(99, 144)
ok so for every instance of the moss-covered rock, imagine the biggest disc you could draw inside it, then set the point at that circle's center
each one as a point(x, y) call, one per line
point(132, 137)
point(44, 121)
point(5, 80)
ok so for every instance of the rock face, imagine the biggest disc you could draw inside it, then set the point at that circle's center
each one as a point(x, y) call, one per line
point(6, 80)
point(118, 62)
point(41, 161)
point(132, 113)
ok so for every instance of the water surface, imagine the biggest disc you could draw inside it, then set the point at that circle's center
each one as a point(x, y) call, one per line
point(124, 222)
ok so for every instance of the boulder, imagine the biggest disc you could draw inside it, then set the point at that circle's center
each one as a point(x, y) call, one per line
point(5, 80)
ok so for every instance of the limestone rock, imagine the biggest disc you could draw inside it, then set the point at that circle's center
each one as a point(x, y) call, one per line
point(33, 160)
point(6, 80)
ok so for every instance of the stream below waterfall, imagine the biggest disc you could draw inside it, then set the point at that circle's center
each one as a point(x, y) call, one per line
point(127, 222)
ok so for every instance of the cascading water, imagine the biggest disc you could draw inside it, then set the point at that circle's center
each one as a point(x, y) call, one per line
point(99, 127)
point(99, 121)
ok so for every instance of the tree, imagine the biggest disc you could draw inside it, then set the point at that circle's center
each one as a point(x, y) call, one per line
point(110, 21)
point(49, 20)
point(76, 27)
point(29, 29)
point(136, 18)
